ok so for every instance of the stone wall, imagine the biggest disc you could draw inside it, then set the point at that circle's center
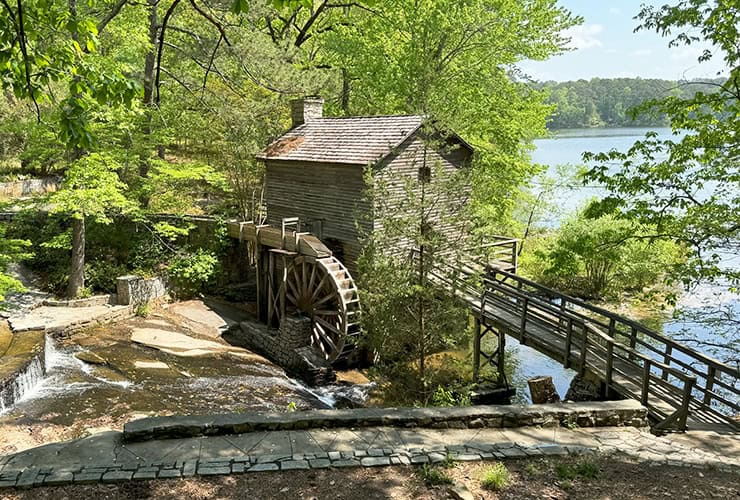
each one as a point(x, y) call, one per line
point(605, 414)
point(28, 187)
point(97, 300)
point(289, 347)
point(135, 290)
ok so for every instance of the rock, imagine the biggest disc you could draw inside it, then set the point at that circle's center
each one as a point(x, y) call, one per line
point(543, 390)
point(183, 345)
point(151, 365)
point(460, 492)
point(91, 358)
point(109, 375)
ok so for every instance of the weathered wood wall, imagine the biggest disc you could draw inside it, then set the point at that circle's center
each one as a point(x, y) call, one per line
point(328, 198)
point(394, 172)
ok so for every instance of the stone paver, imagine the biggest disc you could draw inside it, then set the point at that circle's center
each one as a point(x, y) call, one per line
point(103, 458)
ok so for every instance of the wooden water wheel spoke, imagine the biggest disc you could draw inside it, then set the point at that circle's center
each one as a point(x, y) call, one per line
point(315, 287)
point(326, 312)
point(331, 295)
point(325, 337)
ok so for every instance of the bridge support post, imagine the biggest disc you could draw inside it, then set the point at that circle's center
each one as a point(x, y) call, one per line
point(476, 350)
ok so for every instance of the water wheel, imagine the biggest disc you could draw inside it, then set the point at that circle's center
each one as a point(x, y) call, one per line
point(323, 290)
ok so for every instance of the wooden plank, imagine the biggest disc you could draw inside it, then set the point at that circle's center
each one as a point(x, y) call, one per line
point(272, 237)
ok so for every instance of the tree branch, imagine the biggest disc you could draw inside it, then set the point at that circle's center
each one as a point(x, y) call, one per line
point(111, 15)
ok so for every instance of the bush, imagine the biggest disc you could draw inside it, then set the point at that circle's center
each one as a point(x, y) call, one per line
point(190, 273)
point(495, 477)
point(596, 257)
point(434, 476)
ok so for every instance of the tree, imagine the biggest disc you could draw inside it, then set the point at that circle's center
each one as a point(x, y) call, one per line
point(409, 312)
point(687, 187)
point(45, 42)
point(91, 189)
point(455, 61)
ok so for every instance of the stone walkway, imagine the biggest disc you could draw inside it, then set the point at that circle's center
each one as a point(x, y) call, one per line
point(106, 458)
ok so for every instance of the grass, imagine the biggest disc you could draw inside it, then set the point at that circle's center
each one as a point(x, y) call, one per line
point(495, 477)
point(580, 470)
point(434, 476)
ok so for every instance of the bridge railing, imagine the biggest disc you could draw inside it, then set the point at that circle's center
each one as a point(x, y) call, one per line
point(716, 389)
point(587, 348)
point(498, 251)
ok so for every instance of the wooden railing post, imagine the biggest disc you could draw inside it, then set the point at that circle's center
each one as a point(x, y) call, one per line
point(523, 323)
point(476, 350)
point(568, 341)
point(687, 388)
point(612, 327)
point(667, 360)
point(514, 256)
point(645, 382)
point(584, 350)
point(609, 365)
point(711, 375)
point(633, 340)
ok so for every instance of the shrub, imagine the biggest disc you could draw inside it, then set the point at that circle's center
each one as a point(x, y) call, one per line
point(191, 272)
point(434, 476)
point(495, 477)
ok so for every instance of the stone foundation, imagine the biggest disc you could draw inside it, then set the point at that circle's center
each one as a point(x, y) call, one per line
point(289, 347)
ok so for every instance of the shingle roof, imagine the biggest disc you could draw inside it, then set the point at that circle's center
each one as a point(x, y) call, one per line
point(355, 140)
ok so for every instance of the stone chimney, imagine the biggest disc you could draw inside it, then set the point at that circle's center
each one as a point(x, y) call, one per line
point(306, 109)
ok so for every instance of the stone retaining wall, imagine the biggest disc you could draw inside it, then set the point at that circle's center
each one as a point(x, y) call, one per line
point(609, 413)
point(117, 314)
point(136, 291)
point(289, 347)
point(28, 187)
point(97, 300)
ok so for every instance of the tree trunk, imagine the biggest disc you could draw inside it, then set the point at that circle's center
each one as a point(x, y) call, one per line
point(543, 390)
point(77, 272)
point(149, 68)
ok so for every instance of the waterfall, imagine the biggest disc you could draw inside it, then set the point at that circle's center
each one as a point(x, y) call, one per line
point(26, 379)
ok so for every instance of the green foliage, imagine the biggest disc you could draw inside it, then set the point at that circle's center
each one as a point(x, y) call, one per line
point(191, 272)
point(434, 476)
point(595, 257)
point(11, 250)
point(495, 477)
point(144, 310)
point(606, 102)
point(444, 397)
point(686, 187)
point(91, 188)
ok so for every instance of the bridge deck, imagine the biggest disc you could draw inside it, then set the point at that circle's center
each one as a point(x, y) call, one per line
point(681, 387)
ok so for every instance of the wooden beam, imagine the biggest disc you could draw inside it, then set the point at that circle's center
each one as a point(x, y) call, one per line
point(272, 237)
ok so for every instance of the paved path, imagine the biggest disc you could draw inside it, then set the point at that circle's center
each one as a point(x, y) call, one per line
point(104, 457)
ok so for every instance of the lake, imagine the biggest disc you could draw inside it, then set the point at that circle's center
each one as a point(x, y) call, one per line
point(566, 147)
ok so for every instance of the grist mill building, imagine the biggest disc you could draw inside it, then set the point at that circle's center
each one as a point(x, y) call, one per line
point(315, 171)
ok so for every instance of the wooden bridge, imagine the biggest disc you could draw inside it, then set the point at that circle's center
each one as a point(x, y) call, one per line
point(681, 388)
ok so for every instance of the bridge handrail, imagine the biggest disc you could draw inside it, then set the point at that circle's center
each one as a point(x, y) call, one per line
point(716, 364)
point(685, 377)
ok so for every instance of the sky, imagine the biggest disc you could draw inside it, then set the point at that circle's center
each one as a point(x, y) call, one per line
point(605, 46)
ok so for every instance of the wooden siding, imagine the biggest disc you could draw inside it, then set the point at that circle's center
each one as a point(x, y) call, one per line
point(395, 172)
point(330, 194)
